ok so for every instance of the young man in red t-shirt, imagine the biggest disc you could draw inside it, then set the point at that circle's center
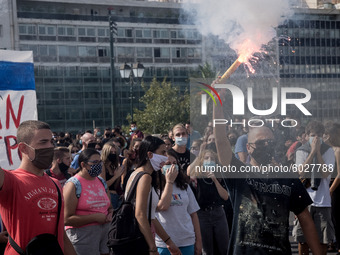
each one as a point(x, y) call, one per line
point(28, 197)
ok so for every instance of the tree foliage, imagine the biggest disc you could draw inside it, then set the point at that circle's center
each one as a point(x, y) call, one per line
point(165, 106)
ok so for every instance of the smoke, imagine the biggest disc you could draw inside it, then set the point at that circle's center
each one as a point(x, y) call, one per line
point(242, 24)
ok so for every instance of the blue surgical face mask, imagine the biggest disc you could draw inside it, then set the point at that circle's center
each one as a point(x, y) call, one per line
point(181, 141)
point(133, 128)
point(166, 167)
point(207, 164)
point(98, 134)
point(312, 138)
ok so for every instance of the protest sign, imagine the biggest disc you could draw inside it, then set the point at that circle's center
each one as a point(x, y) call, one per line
point(17, 102)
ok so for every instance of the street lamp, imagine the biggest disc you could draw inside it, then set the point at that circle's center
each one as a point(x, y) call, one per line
point(128, 73)
point(113, 31)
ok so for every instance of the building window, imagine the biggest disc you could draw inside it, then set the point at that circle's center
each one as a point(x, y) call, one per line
point(139, 33)
point(103, 32)
point(48, 50)
point(161, 34)
point(87, 51)
point(87, 31)
point(67, 51)
point(124, 32)
point(178, 52)
point(125, 52)
point(192, 34)
point(103, 52)
point(144, 52)
point(194, 53)
point(30, 47)
point(47, 30)
point(161, 52)
point(66, 31)
point(27, 29)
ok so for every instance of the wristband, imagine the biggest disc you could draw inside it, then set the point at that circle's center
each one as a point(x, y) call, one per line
point(153, 250)
point(167, 239)
point(170, 182)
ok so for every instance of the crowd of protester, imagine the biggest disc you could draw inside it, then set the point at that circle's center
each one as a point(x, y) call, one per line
point(192, 211)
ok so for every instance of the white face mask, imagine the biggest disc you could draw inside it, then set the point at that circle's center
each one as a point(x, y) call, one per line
point(157, 160)
point(181, 141)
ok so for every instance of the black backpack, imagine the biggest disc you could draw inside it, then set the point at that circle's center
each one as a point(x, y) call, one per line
point(125, 237)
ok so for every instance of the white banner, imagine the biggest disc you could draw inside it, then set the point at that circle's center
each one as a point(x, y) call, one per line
point(17, 102)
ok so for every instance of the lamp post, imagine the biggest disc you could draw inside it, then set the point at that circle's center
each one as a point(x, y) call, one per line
point(113, 31)
point(129, 73)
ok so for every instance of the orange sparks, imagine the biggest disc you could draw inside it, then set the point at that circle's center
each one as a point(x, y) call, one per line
point(246, 51)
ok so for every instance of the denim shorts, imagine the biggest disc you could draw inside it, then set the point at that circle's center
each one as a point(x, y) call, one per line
point(185, 250)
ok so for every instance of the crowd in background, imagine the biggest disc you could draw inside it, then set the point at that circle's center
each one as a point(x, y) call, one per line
point(184, 148)
point(125, 148)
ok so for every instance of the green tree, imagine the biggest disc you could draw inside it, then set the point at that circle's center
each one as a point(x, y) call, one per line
point(165, 106)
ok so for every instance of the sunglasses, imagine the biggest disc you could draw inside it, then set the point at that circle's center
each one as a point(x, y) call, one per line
point(95, 162)
point(263, 143)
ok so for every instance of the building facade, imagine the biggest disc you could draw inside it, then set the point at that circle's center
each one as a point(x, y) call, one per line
point(70, 41)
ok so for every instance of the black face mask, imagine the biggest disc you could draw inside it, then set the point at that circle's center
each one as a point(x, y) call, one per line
point(263, 155)
point(232, 141)
point(211, 146)
point(112, 157)
point(63, 167)
point(91, 145)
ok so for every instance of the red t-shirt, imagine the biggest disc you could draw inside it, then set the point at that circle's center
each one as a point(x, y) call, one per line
point(29, 207)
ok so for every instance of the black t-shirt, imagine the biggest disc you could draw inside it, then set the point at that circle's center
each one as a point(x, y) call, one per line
point(261, 213)
point(207, 194)
point(185, 159)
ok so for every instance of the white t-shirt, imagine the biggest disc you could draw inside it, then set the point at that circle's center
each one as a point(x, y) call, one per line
point(176, 221)
point(320, 197)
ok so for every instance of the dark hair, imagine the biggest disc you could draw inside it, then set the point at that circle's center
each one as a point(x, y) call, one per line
point(26, 129)
point(181, 181)
point(333, 130)
point(86, 154)
point(315, 126)
point(133, 123)
point(150, 143)
point(300, 131)
point(59, 152)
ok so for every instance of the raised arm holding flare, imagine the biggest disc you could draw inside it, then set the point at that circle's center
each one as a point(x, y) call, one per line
point(260, 222)
point(223, 146)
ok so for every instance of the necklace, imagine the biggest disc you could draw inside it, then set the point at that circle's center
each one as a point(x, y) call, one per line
point(206, 182)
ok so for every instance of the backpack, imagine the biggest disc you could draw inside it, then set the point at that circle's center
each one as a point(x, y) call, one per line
point(124, 234)
point(44, 243)
point(77, 184)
